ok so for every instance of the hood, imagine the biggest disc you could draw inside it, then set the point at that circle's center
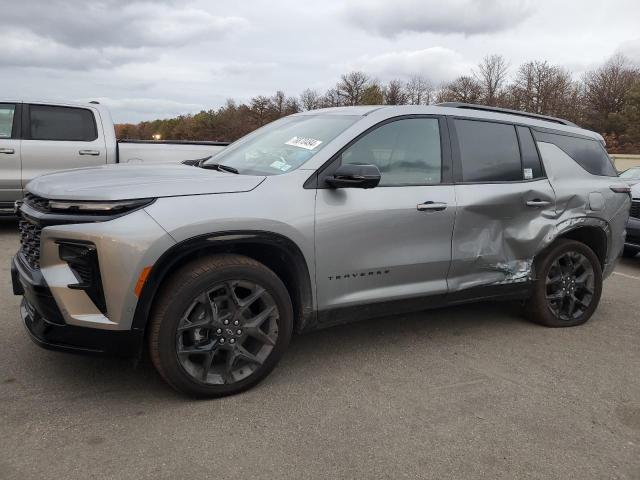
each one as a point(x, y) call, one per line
point(635, 190)
point(123, 182)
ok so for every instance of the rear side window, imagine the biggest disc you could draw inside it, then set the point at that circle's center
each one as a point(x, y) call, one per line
point(531, 165)
point(61, 123)
point(488, 151)
point(589, 154)
point(7, 112)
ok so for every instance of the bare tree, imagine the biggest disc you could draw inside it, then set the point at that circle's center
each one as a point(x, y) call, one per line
point(492, 76)
point(464, 89)
point(394, 93)
point(606, 89)
point(331, 99)
point(351, 87)
point(541, 88)
point(310, 99)
point(419, 90)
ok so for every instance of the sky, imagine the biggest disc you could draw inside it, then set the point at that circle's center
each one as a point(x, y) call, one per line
point(148, 60)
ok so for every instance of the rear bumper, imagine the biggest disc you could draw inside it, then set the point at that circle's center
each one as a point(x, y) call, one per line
point(46, 326)
point(633, 233)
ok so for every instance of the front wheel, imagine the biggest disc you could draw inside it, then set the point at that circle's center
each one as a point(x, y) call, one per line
point(568, 285)
point(220, 326)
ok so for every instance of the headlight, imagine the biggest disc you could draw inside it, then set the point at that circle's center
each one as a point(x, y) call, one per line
point(98, 207)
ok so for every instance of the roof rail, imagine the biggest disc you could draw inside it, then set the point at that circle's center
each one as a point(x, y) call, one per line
point(508, 111)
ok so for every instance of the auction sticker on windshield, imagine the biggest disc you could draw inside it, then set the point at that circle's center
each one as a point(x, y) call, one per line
point(303, 142)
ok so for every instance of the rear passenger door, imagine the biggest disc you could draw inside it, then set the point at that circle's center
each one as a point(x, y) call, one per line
point(10, 189)
point(505, 203)
point(57, 138)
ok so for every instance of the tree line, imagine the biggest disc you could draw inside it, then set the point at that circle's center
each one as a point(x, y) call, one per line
point(605, 99)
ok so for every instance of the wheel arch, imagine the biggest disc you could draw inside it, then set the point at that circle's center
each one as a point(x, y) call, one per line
point(277, 252)
point(594, 237)
point(592, 232)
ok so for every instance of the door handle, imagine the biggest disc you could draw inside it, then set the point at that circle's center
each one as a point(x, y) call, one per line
point(95, 153)
point(431, 206)
point(537, 203)
point(8, 151)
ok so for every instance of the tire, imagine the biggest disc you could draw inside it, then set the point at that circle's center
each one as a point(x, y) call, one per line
point(197, 319)
point(630, 252)
point(555, 287)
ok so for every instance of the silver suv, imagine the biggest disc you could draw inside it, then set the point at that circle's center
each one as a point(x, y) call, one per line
point(316, 219)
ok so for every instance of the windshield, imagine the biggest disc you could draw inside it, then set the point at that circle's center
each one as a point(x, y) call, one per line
point(631, 174)
point(283, 145)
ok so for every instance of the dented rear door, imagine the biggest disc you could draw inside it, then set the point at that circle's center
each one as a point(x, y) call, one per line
point(505, 204)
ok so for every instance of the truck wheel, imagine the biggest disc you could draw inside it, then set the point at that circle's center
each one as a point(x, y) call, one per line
point(568, 285)
point(219, 326)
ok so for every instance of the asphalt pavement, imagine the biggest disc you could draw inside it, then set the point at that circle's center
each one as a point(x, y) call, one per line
point(467, 392)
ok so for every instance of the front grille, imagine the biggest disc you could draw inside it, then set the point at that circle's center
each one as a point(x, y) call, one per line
point(39, 203)
point(30, 242)
point(635, 209)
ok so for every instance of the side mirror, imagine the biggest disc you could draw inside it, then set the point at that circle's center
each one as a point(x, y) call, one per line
point(355, 176)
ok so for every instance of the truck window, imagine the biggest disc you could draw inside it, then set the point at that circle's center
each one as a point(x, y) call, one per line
point(7, 111)
point(47, 122)
point(488, 151)
point(589, 154)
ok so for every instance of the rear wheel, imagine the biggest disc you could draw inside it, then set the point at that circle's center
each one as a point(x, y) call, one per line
point(220, 326)
point(568, 285)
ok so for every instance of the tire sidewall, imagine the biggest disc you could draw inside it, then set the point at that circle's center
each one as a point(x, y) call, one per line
point(184, 297)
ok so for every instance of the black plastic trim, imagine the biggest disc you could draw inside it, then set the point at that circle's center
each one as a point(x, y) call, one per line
point(342, 315)
point(225, 241)
point(507, 111)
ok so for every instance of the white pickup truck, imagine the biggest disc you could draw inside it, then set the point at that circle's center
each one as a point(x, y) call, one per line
point(38, 137)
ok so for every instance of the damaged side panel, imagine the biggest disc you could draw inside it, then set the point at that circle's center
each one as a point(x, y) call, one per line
point(496, 234)
point(500, 228)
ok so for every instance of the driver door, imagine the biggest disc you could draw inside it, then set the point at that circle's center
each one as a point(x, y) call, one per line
point(390, 244)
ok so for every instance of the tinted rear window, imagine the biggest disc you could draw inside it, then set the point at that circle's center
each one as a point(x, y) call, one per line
point(489, 151)
point(589, 154)
point(61, 123)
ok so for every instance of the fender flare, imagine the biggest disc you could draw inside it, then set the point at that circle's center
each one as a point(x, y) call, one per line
point(172, 257)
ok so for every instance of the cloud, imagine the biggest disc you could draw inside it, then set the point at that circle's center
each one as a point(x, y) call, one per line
point(469, 17)
point(119, 23)
point(87, 35)
point(25, 49)
point(124, 109)
point(438, 64)
point(631, 49)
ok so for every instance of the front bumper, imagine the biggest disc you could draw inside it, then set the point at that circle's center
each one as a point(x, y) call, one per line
point(633, 233)
point(46, 326)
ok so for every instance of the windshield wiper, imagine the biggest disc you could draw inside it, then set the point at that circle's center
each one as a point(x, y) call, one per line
point(219, 167)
